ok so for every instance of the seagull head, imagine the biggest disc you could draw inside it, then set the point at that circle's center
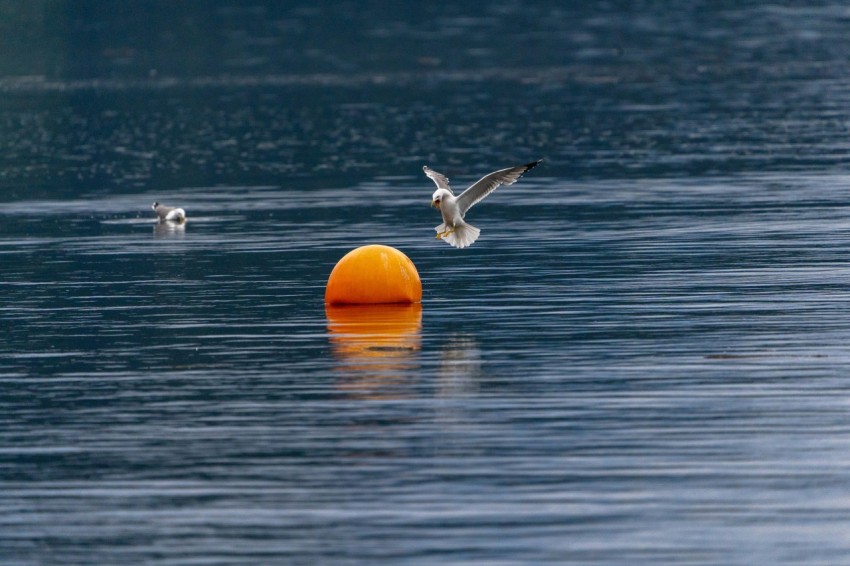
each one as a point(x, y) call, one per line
point(154, 205)
point(438, 197)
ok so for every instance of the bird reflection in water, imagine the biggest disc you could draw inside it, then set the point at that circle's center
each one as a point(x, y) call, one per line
point(460, 366)
point(376, 347)
point(169, 229)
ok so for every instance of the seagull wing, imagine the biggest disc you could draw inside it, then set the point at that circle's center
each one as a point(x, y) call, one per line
point(489, 183)
point(162, 210)
point(439, 179)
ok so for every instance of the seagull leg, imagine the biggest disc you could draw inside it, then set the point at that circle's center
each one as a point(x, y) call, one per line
point(445, 233)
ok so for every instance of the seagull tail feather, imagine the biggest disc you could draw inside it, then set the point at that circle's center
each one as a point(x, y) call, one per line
point(463, 235)
point(176, 215)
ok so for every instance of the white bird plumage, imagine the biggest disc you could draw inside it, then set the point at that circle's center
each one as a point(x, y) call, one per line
point(168, 213)
point(454, 229)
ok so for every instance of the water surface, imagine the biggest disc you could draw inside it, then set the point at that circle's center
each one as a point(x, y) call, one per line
point(643, 359)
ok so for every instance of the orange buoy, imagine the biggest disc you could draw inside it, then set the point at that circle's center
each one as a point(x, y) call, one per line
point(373, 274)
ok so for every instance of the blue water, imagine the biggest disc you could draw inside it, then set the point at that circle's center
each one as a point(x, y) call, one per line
point(643, 360)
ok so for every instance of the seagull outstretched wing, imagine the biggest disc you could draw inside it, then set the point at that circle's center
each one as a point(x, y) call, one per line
point(439, 179)
point(486, 185)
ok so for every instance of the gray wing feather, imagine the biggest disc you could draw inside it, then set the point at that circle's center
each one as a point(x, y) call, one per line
point(162, 210)
point(489, 183)
point(439, 179)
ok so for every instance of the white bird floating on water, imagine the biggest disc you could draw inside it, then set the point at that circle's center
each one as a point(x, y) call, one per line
point(453, 229)
point(169, 213)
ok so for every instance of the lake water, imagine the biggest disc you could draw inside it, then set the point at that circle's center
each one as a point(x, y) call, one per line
point(643, 360)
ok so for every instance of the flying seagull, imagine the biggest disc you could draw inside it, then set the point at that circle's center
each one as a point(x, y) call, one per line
point(169, 213)
point(453, 229)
